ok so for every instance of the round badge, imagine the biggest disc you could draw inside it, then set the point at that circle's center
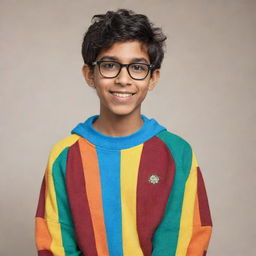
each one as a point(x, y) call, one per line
point(153, 179)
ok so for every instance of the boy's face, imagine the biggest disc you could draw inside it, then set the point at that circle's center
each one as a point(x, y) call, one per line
point(122, 52)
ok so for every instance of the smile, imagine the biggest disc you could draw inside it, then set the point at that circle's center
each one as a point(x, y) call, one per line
point(122, 97)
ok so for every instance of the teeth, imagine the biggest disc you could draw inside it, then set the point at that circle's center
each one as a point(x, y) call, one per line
point(123, 95)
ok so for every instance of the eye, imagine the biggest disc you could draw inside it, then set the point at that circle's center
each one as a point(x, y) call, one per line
point(108, 65)
point(138, 67)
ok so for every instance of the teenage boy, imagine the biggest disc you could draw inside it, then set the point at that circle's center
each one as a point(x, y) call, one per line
point(121, 183)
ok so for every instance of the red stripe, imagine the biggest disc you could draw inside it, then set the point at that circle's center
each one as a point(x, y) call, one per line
point(79, 202)
point(45, 253)
point(41, 203)
point(204, 209)
point(204, 253)
point(152, 198)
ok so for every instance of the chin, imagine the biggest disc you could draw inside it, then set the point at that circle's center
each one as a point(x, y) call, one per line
point(122, 112)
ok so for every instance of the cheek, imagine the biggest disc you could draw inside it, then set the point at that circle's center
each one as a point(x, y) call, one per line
point(141, 95)
point(102, 87)
point(143, 87)
point(100, 81)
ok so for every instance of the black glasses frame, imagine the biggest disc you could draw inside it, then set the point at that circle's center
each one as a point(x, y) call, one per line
point(98, 62)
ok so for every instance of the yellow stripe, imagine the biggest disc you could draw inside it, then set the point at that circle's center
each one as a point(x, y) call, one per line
point(130, 159)
point(51, 208)
point(186, 222)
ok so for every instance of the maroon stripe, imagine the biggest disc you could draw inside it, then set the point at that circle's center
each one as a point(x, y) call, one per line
point(45, 253)
point(152, 198)
point(204, 209)
point(79, 203)
point(41, 203)
point(204, 253)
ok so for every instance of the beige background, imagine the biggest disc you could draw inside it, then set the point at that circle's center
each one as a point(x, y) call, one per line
point(206, 94)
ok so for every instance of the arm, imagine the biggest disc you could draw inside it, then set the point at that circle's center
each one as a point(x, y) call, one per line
point(185, 228)
point(54, 230)
point(195, 224)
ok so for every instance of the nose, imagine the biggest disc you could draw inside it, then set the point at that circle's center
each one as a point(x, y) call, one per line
point(123, 77)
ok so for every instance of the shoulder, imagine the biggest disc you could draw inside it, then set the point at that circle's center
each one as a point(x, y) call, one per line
point(179, 148)
point(174, 141)
point(58, 147)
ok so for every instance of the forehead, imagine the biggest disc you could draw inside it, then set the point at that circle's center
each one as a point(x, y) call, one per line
point(126, 51)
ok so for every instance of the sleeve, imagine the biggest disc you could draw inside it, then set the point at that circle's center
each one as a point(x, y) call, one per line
point(195, 222)
point(54, 229)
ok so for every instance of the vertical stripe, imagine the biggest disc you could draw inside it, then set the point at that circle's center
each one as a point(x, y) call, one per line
point(130, 159)
point(79, 202)
point(195, 243)
point(197, 221)
point(166, 235)
point(201, 233)
point(93, 188)
point(152, 198)
point(65, 218)
point(109, 163)
point(41, 203)
point(51, 208)
point(205, 214)
point(186, 223)
point(42, 235)
point(52, 216)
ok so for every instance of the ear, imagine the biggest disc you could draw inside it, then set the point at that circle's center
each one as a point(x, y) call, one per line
point(88, 75)
point(154, 79)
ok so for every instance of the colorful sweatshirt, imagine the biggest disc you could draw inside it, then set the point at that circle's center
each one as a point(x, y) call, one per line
point(141, 194)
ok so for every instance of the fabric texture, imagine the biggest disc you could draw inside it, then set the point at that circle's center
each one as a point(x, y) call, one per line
point(136, 195)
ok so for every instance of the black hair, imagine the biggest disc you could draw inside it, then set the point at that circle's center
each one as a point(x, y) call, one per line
point(120, 26)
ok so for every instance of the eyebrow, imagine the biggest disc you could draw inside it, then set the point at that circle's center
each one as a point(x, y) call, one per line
point(131, 61)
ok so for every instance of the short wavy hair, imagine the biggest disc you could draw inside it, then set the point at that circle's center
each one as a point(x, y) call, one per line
point(120, 26)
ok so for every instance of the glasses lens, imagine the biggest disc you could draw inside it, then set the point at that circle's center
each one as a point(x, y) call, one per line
point(138, 70)
point(109, 68)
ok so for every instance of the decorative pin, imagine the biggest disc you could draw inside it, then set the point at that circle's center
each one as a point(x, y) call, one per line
point(153, 179)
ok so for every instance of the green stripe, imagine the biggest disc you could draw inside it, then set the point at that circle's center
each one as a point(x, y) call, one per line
point(65, 218)
point(166, 235)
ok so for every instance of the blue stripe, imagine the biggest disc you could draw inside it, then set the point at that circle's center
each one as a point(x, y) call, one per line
point(109, 165)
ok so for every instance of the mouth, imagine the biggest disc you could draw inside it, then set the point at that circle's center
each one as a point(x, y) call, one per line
point(122, 97)
point(122, 94)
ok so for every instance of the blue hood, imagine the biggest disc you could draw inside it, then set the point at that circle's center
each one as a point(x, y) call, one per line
point(149, 129)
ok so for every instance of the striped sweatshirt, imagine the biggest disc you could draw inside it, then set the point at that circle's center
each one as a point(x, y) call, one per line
point(136, 195)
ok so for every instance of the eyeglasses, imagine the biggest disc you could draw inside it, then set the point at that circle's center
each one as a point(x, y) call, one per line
point(111, 69)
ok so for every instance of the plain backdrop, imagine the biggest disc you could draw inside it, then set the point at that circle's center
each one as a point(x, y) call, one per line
point(206, 95)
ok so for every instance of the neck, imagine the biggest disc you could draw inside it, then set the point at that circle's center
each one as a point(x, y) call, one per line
point(118, 125)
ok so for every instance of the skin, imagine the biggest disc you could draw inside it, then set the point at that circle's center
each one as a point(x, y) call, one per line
point(120, 119)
